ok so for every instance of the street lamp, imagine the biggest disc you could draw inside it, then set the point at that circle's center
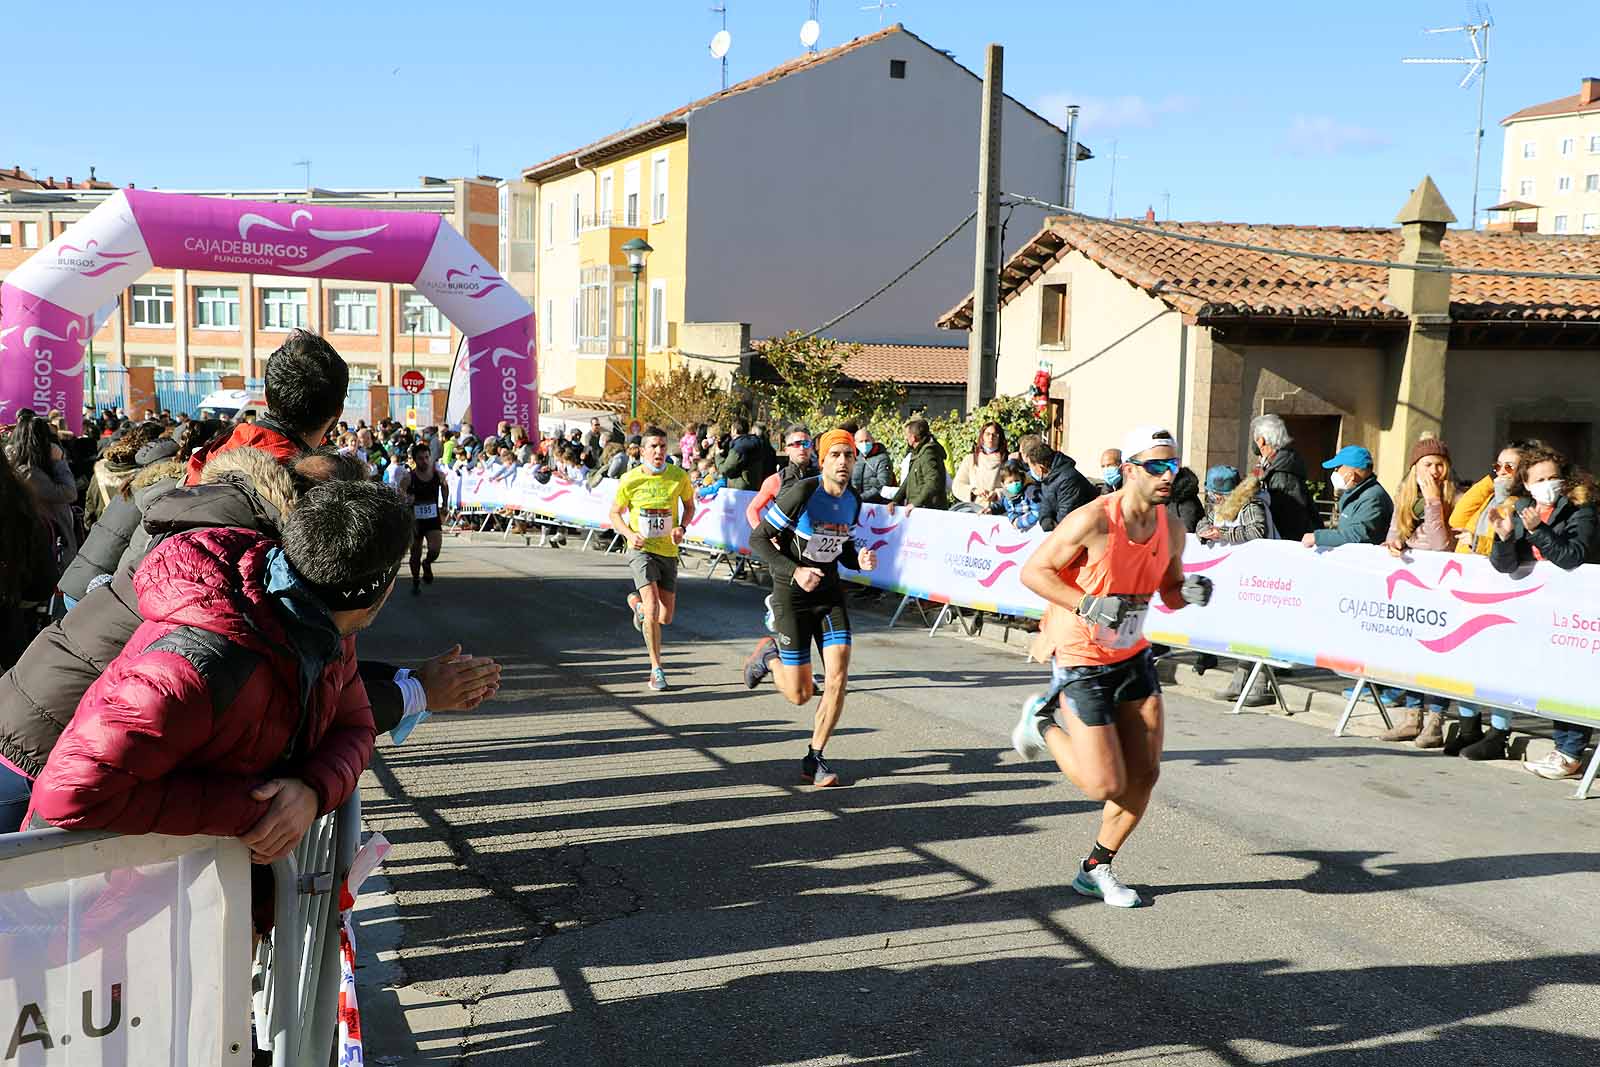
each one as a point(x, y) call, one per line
point(637, 250)
point(413, 317)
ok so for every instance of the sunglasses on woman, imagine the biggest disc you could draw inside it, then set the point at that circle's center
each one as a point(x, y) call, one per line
point(1504, 468)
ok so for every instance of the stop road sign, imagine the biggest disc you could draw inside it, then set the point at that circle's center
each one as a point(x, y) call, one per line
point(412, 381)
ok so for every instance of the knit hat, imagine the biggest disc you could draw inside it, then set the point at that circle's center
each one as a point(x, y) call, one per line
point(1428, 446)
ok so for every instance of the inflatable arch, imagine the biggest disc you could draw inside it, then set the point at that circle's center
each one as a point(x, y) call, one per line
point(47, 304)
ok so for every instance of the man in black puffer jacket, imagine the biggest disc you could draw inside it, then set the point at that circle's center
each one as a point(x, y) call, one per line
point(1062, 487)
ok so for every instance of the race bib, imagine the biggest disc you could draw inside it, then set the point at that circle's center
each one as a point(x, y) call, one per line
point(426, 511)
point(1130, 633)
point(655, 522)
point(826, 542)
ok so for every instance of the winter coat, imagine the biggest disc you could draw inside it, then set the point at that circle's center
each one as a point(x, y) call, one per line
point(1243, 515)
point(1285, 476)
point(56, 493)
point(1469, 510)
point(105, 487)
point(108, 539)
point(266, 434)
point(744, 463)
point(977, 474)
point(1363, 516)
point(1432, 533)
point(1185, 501)
point(157, 746)
point(1569, 538)
point(873, 471)
point(19, 621)
point(1063, 490)
point(925, 478)
point(1023, 511)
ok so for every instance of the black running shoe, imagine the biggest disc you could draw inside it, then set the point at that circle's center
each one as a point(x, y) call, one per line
point(416, 588)
point(755, 665)
point(814, 770)
point(427, 572)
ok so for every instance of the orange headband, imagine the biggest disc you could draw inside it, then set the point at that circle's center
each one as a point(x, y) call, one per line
point(832, 438)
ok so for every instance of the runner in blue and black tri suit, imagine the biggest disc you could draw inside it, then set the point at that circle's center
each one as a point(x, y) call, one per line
point(803, 536)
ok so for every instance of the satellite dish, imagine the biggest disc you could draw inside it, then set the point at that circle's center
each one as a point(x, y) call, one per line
point(721, 43)
point(810, 33)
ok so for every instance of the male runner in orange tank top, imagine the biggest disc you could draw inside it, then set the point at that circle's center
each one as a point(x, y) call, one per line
point(1098, 571)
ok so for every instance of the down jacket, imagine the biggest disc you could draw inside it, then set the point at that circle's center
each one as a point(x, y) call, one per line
point(108, 539)
point(151, 751)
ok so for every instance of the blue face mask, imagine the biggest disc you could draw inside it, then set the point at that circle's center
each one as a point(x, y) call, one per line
point(1113, 476)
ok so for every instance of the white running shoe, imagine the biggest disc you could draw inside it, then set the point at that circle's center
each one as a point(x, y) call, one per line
point(1554, 766)
point(1027, 737)
point(1101, 881)
point(772, 624)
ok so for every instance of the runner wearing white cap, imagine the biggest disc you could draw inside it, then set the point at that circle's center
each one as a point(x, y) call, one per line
point(1098, 571)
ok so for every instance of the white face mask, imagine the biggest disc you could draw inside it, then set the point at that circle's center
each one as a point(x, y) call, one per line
point(1545, 492)
point(1339, 482)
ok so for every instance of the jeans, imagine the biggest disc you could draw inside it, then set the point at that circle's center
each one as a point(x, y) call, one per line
point(1410, 699)
point(1571, 740)
point(14, 793)
point(1500, 720)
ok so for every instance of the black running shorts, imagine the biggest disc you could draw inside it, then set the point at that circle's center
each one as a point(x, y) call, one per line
point(1094, 693)
point(801, 621)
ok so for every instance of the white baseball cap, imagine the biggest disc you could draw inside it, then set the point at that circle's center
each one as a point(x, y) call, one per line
point(1145, 438)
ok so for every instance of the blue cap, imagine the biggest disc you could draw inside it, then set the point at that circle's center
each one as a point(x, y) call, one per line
point(1222, 479)
point(1350, 456)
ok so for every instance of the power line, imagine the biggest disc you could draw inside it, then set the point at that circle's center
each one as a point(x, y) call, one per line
point(1292, 253)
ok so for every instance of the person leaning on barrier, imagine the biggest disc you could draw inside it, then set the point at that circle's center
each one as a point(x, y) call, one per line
point(874, 470)
point(236, 708)
point(1364, 508)
point(1062, 487)
point(925, 481)
point(1560, 526)
point(1236, 512)
point(1283, 474)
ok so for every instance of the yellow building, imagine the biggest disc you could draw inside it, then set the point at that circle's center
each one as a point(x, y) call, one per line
point(1550, 173)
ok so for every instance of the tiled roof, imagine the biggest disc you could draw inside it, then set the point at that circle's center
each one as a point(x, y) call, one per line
point(1567, 105)
point(1208, 282)
point(17, 178)
point(911, 364)
point(666, 125)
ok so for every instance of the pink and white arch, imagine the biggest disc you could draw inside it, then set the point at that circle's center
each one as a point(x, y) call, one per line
point(47, 304)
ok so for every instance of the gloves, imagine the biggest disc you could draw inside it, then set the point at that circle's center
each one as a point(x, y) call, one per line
point(1107, 611)
point(1196, 590)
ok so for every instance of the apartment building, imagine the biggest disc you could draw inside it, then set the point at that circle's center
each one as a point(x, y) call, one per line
point(778, 203)
point(229, 323)
point(1550, 173)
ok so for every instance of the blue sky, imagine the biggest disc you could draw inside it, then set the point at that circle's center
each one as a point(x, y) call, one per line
point(1239, 109)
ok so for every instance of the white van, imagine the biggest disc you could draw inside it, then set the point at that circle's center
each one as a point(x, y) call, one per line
point(232, 404)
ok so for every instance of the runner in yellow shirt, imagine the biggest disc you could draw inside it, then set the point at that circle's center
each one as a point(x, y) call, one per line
point(658, 501)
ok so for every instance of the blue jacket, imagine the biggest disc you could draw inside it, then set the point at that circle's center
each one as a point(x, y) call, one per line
point(1023, 511)
point(1363, 517)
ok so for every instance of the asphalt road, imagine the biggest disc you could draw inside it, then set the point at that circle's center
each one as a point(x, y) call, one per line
point(585, 872)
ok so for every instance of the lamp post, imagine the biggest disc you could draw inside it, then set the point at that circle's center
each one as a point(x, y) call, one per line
point(637, 250)
point(413, 317)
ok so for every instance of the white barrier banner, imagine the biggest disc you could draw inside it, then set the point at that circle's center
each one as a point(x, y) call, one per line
point(124, 967)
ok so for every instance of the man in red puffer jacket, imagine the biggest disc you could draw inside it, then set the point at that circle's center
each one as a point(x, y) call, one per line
point(236, 708)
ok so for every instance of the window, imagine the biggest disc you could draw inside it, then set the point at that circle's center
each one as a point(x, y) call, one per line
point(1594, 144)
point(355, 311)
point(658, 316)
point(630, 194)
point(1530, 150)
point(216, 307)
point(658, 189)
point(430, 321)
point(1591, 183)
point(550, 224)
point(5, 233)
point(897, 69)
point(1560, 224)
point(1564, 183)
point(1525, 187)
point(604, 208)
point(159, 362)
point(1054, 327)
point(363, 372)
point(594, 311)
point(283, 309)
point(150, 305)
point(630, 321)
point(573, 341)
point(216, 365)
point(1591, 223)
point(577, 214)
point(30, 235)
point(1568, 146)
point(549, 323)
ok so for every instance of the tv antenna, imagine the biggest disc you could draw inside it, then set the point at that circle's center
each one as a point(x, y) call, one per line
point(811, 30)
point(881, 7)
point(1477, 66)
point(722, 40)
point(1111, 195)
point(306, 163)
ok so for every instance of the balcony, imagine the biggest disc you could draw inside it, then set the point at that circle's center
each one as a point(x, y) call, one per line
point(605, 220)
point(601, 237)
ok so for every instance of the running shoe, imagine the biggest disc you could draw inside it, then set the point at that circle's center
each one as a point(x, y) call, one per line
point(427, 573)
point(1027, 737)
point(1555, 767)
point(636, 606)
point(814, 770)
point(770, 620)
point(1101, 881)
point(755, 664)
point(416, 588)
point(658, 679)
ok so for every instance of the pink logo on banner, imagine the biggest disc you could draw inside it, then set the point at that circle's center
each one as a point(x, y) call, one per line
point(970, 564)
point(1472, 627)
point(91, 261)
point(41, 356)
point(503, 377)
point(472, 283)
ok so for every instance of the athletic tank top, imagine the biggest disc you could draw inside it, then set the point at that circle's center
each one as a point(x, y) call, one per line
point(425, 496)
point(1127, 568)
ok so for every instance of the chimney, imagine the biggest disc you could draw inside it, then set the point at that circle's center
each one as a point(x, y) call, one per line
point(91, 172)
point(1422, 220)
point(1589, 93)
point(1150, 214)
point(69, 181)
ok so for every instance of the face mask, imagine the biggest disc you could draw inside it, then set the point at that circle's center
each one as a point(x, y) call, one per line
point(646, 464)
point(1013, 489)
point(1339, 482)
point(1545, 492)
point(1503, 486)
point(1255, 446)
point(990, 449)
point(1112, 475)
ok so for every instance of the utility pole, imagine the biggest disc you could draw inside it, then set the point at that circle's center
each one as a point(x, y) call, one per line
point(983, 342)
